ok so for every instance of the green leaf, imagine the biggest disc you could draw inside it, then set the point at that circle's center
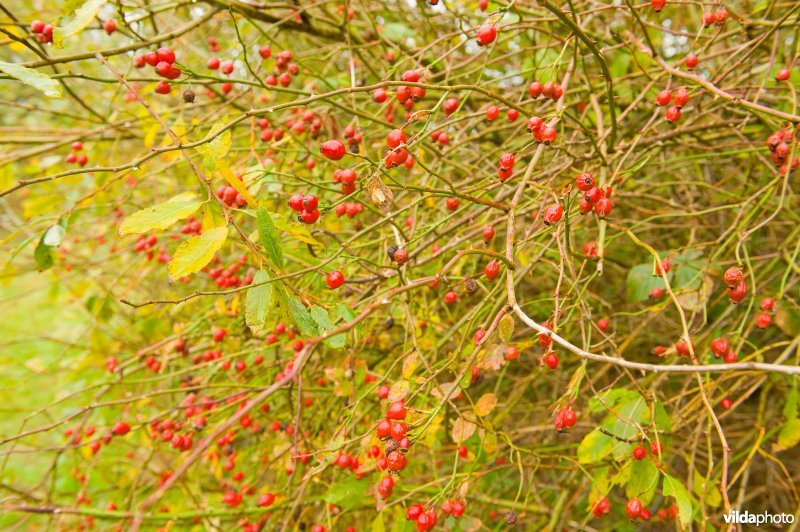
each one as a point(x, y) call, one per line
point(610, 399)
point(269, 237)
point(707, 492)
point(641, 281)
point(506, 327)
point(35, 79)
point(214, 147)
point(348, 493)
point(258, 302)
point(160, 216)
point(672, 487)
point(324, 323)
point(643, 481)
point(623, 423)
point(789, 436)
point(342, 311)
point(84, 15)
point(193, 254)
point(394, 31)
point(594, 447)
point(43, 255)
point(300, 232)
point(301, 317)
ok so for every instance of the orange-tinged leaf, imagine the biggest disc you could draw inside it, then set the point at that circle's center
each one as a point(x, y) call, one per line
point(485, 404)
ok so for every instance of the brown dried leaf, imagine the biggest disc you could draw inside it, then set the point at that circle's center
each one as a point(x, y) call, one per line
point(379, 193)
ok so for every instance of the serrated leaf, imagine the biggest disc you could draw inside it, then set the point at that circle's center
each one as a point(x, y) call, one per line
point(462, 430)
point(643, 481)
point(506, 327)
point(258, 302)
point(84, 15)
point(214, 146)
point(160, 216)
point(301, 317)
point(35, 79)
point(324, 324)
point(193, 254)
point(594, 447)
point(269, 237)
point(671, 487)
point(485, 404)
point(300, 232)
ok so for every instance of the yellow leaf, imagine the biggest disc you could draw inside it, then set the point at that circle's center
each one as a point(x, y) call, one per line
point(84, 15)
point(237, 183)
point(160, 216)
point(409, 365)
point(462, 430)
point(398, 390)
point(193, 254)
point(485, 404)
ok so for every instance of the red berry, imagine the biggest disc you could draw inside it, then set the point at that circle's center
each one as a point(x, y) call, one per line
point(165, 54)
point(673, 114)
point(633, 508)
point(553, 214)
point(738, 292)
point(511, 352)
point(450, 297)
point(162, 87)
point(601, 507)
point(603, 324)
point(763, 320)
point(492, 112)
point(767, 303)
point(690, 61)
point(492, 269)
point(783, 74)
point(639, 452)
point(121, 429)
point(335, 279)
point(488, 233)
point(663, 97)
point(110, 26)
point(414, 511)
point(487, 33)
point(333, 149)
point(397, 410)
point(551, 360)
point(733, 276)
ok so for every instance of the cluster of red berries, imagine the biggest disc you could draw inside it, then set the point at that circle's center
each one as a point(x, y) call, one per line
point(594, 197)
point(193, 226)
point(351, 209)
point(505, 168)
point(77, 158)
point(540, 131)
point(307, 121)
point(226, 277)
point(43, 32)
point(717, 17)
point(163, 60)
point(737, 289)
point(392, 430)
point(167, 431)
point(207, 356)
point(406, 94)
point(636, 510)
point(425, 520)
point(548, 89)
point(779, 144)
point(397, 154)
point(230, 196)
point(679, 100)
point(306, 205)
point(347, 177)
point(565, 418)
point(353, 137)
point(145, 244)
point(268, 133)
point(284, 68)
point(764, 318)
point(441, 137)
point(721, 349)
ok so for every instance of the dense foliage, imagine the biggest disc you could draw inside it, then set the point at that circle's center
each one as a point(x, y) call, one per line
point(398, 265)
